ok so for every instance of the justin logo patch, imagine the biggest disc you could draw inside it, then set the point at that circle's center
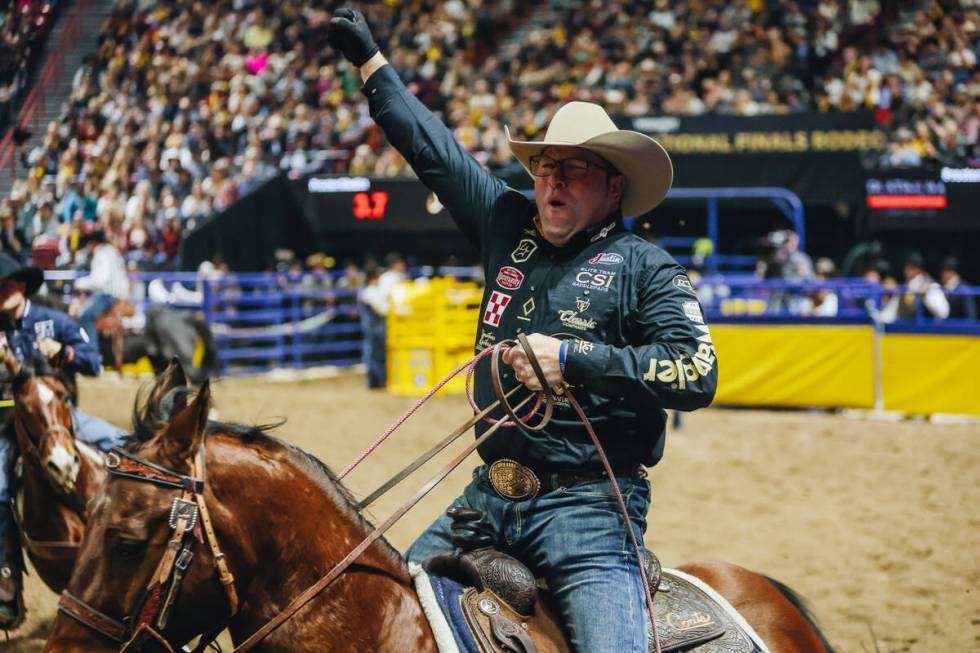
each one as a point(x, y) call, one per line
point(510, 278)
point(495, 308)
point(606, 258)
point(524, 250)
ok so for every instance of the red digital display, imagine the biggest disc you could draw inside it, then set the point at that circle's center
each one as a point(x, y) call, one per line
point(907, 201)
point(370, 206)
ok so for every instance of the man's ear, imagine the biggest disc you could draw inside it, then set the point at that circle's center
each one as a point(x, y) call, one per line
point(617, 186)
point(183, 436)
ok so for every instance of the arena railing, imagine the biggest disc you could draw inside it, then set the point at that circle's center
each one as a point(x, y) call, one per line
point(266, 321)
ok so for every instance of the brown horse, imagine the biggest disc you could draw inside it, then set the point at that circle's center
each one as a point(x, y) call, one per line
point(280, 521)
point(59, 473)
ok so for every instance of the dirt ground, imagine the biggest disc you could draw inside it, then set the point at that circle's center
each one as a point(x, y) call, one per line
point(876, 523)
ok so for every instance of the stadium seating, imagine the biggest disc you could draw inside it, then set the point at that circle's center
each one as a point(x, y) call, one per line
point(188, 106)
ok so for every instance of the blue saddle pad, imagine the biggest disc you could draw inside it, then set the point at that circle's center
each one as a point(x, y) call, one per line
point(448, 593)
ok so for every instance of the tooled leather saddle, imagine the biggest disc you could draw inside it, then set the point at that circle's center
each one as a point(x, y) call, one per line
point(499, 607)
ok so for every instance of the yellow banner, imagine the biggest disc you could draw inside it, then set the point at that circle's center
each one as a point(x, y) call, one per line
point(926, 374)
point(795, 365)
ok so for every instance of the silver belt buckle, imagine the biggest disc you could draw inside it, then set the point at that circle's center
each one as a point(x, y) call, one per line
point(512, 480)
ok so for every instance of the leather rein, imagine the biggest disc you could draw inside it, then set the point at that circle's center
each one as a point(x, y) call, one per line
point(188, 518)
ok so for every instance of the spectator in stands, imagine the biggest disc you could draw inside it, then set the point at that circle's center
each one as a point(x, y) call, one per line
point(824, 301)
point(962, 305)
point(786, 262)
point(923, 298)
point(106, 283)
point(12, 239)
point(375, 301)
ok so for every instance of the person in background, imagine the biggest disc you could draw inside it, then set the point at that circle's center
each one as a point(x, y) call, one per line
point(825, 301)
point(962, 305)
point(34, 334)
point(923, 296)
point(106, 283)
point(375, 302)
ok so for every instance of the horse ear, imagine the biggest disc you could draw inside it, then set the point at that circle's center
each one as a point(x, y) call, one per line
point(185, 432)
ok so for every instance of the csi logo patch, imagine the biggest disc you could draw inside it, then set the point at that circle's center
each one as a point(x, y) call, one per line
point(693, 312)
point(523, 250)
point(681, 281)
point(606, 258)
point(495, 308)
point(594, 279)
point(510, 278)
point(44, 329)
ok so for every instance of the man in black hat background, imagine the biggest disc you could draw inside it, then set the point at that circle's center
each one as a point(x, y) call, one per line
point(33, 333)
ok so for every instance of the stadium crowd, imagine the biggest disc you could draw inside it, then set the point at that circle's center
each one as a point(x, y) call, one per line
point(186, 106)
point(24, 26)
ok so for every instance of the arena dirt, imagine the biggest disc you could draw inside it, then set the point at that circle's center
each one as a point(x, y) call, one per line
point(875, 523)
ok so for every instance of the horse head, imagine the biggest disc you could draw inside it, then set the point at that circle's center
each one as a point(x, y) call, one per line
point(43, 422)
point(129, 525)
point(236, 509)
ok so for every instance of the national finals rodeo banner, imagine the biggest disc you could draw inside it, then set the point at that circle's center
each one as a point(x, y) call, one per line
point(820, 157)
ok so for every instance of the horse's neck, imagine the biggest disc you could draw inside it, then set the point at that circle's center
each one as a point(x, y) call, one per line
point(303, 530)
point(91, 475)
point(45, 514)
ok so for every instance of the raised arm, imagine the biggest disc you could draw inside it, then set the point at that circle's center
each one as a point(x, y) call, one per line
point(463, 186)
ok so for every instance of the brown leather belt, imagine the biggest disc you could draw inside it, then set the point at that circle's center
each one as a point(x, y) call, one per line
point(516, 482)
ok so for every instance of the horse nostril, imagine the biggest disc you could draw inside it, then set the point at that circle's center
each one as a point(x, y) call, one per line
point(53, 467)
point(78, 461)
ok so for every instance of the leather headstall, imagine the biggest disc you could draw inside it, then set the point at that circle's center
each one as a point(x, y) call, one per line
point(188, 517)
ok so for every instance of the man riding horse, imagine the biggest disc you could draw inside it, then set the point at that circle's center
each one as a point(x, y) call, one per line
point(604, 310)
point(33, 332)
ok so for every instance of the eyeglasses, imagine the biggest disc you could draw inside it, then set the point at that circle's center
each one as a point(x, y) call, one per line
point(542, 165)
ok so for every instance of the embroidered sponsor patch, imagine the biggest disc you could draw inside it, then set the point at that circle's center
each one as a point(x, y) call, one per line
point(510, 278)
point(495, 308)
point(606, 258)
point(574, 318)
point(693, 312)
point(525, 248)
point(594, 279)
point(44, 329)
point(681, 281)
point(486, 339)
point(582, 346)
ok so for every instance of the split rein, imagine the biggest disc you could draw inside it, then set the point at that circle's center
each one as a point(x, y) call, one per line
point(150, 617)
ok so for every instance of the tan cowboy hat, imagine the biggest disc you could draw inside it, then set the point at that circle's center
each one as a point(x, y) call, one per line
point(642, 160)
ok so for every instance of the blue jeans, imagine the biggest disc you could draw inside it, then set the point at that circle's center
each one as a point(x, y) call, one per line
point(575, 539)
point(375, 356)
point(87, 429)
point(96, 305)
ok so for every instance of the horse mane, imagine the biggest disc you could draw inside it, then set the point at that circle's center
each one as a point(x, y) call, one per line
point(150, 418)
point(41, 367)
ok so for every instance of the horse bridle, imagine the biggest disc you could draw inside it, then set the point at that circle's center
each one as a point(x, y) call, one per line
point(188, 518)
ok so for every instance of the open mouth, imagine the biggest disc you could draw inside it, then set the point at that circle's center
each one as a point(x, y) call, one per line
point(557, 204)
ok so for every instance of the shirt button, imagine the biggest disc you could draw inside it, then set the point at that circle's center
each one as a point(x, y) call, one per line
point(585, 292)
point(519, 329)
point(532, 288)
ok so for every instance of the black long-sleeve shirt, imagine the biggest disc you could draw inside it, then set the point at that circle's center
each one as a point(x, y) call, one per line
point(639, 340)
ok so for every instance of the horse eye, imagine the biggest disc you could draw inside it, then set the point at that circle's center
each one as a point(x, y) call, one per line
point(127, 546)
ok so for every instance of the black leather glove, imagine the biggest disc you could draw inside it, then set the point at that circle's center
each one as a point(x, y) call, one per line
point(470, 529)
point(349, 33)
